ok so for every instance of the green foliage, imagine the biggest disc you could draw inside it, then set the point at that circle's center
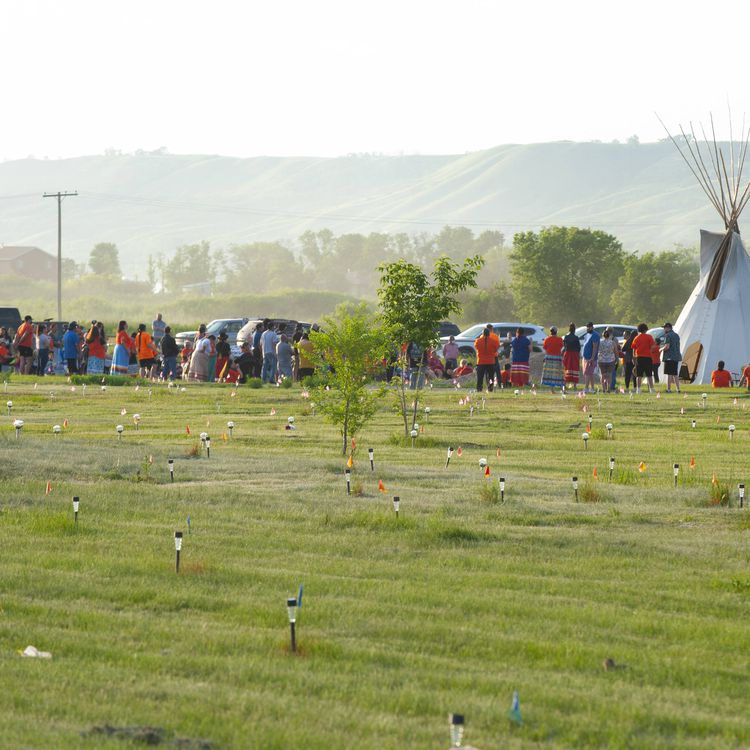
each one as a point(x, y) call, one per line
point(104, 260)
point(564, 273)
point(493, 303)
point(115, 380)
point(412, 306)
point(254, 383)
point(286, 383)
point(189, 265)
point(349, 347)
point(654, 285)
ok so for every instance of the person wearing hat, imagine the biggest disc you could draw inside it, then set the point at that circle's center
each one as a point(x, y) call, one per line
point(223, 352)
point(671, 357)
point(71, 343)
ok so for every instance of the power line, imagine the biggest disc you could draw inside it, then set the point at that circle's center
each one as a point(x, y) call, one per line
point(243, 210)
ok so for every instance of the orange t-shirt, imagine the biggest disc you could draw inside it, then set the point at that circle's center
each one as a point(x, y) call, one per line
point(721, 379)
point(487, 347)
point(655, 358)
point(746, 375)
point(145, 347)
point(643, 345)
point(553, 345)
point(25, 335)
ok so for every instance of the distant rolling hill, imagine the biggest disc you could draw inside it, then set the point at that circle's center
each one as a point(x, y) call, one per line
point(151, 203)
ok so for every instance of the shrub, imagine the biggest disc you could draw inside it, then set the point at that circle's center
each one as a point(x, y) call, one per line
point(489, 492)
point(719, 494)
point(254, 383)
point(286, 383)
point(589, 493)
point(115, 380)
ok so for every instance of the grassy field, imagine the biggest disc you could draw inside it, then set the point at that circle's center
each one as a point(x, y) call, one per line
point(448, 608)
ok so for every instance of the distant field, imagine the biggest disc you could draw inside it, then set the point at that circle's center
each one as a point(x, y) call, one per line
point(448, 608)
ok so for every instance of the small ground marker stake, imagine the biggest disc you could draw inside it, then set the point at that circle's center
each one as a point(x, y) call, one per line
point(575, 487)
point(177, 548)
point(457, 729)
point(448, 459)
point(396, 504)
point(371, 454)
point(291, 609)
point(75, 509)
point(170, 463)
point(676, 469)
point(348, 477)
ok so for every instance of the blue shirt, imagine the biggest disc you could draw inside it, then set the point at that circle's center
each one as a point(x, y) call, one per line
point(673, 353)
point(588, 345)
point(70, 345)
point(520, 347)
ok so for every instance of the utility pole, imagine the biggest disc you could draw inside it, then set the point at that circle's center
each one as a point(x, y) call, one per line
point(59, 197)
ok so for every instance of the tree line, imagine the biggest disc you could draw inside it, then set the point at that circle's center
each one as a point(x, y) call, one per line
point(548, 277)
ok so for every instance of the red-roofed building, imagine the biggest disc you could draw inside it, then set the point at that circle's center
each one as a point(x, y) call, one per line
point(30, 262)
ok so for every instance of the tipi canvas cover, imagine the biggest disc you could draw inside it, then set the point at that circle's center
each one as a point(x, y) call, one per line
point(714, 329)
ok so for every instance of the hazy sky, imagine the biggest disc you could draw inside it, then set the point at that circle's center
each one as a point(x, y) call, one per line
point(331, 77)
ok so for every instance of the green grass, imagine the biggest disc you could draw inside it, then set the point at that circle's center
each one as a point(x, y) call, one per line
point(451, 607)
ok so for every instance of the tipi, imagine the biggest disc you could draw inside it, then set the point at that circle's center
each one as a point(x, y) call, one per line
point(715, 322)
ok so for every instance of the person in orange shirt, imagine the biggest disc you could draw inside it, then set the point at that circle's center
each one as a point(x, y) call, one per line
point(721, 378)
point(24, 341)
point(643, 345)
point(464, 368)
point(655, 361)
point(486, 346)
point(145, 351)
point(552, 370)
point(746, 377)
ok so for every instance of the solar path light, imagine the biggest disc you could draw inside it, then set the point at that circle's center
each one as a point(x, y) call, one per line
point(10, 406)
point(170, 463)
point(18, 424)
point(457, 729)
point(208, 447)
point(136, 420)
point(348, 477)
point(177, 549)
point(731, 431)
point(396, 504)
point(371, 454)
point(676, 470)
point(291, 609)
point(742, 495)
point(692, 423)
point(76, 502)
point(230, 427)
point(450, 454)
point(611, 467)
point(56, 430)
point(610, 427)
point(585, 438)
point(119, 429)
point(414, 434)
point(502, 489)
point(575, 487)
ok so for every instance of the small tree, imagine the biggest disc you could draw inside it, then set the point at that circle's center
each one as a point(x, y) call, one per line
point(412, 307)
point(350, 348)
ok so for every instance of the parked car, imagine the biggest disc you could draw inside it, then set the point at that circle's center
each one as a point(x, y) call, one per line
point(504, 331)
point(446, 328)
point(247, 331)
point(658, 334)
point(230, 326)
point(10, 318)
point(620, 331)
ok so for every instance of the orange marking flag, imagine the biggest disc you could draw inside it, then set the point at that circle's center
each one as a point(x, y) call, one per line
point(48, 488)
point(381, 486)
point(642, 467)
point(692, 462)
point(187, 429)
point(487, 471)
point(459, 451)
point(595, 473)
point(350, 461)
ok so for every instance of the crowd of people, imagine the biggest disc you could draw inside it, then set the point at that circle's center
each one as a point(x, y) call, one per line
point(271, 355)
point(274, 354)
point(569, 359)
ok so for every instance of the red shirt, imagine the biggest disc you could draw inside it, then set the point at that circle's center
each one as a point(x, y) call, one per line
point(553, 345)
point(746, 375)
point(643, 345)
point(25, 335)
point(721, 379)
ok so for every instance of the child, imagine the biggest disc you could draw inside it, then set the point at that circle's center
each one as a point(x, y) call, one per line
point(746, 377)
point(721, 378)
point(505, 375)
